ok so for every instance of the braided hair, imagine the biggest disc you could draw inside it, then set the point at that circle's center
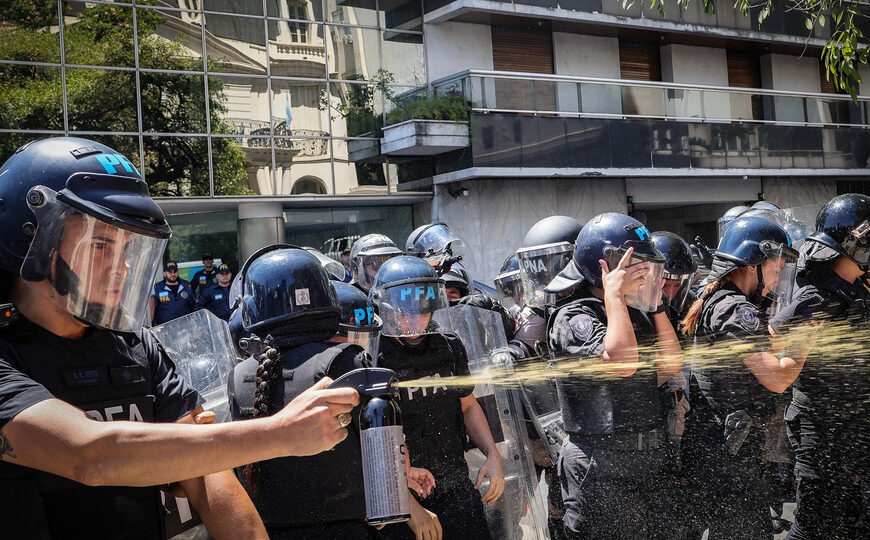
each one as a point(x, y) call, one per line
point(690, 322)
point(268, 371)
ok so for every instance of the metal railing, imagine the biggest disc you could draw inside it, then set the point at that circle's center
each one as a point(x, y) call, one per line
point(255, 134)
point(531, 93)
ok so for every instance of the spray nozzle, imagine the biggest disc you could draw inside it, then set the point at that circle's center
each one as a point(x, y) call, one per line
point(369, 381)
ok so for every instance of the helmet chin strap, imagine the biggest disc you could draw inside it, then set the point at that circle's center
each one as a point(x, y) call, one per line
point(65, 281)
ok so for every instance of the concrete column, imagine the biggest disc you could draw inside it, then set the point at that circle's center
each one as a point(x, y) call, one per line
point(260, 224)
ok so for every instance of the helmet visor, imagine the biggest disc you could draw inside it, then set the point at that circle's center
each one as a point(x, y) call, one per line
point(857, 244)
point(367, 339)
point(99, 273)
point(437, 240)
point(648, 295)
point(368, 268)
point(510, 288)
point(406, 308)
point(676, 289)
point(722, 224)
point(334, 268)
point(538, 266)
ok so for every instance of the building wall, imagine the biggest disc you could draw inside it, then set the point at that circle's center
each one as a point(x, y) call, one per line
point(494, 217)
point(457, 46)
point(697, 65)
point(586, 56)
point(794, 73)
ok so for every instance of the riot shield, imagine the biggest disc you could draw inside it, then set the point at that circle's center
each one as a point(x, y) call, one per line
point(203, 352)
point(521, 511)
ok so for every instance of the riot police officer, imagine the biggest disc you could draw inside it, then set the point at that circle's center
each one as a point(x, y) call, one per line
point(436, 419)
point(617, 328)
point(457, 283)
point(203, 279)
point(735, 377)
point(358, 323)
point(827, 419)
point(367, 255)
point(172, 297)
point(217, 297)
point(289, 302)
point(82, 379)
point(433, 240)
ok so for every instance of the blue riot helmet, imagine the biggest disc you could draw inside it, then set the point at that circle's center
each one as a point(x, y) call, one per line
point(842, 228)
point(246, 344)
point(750, 241)
point(607, 237)
point(680, 267)
point(367, 255)
point(433, 239)
point(798, 231)
point(458, 278)
point(358, 323)
point(729, 216)
point(79, 226)
point(509, 284)
point(551, 230)
point(285, 290)
point(407, 291)
point(546, 250)
point(766, 205)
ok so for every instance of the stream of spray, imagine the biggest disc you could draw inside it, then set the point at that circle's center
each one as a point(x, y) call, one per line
point(829, 345)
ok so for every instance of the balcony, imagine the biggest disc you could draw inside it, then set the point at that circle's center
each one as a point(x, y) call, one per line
point(254, 137)
point(550, 125)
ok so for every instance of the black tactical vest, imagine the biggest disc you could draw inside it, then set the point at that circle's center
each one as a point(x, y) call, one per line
point(107, 387)
point(302, 491)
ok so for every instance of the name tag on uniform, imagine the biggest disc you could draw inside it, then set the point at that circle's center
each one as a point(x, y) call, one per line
point(89, 376)
point(202, 280)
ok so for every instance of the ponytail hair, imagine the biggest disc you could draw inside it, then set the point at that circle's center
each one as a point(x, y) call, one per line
point(690, 322)
point(268, 371)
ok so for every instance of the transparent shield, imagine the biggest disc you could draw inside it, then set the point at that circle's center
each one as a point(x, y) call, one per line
point(202, 349)
point(366, 339)
point(510, 288)
point(406, 309)
point(538, 266)
point(676, 289)
point(95, 271)
point(647, 296)
point(334, 268)
point(368, 268)
point(521, 511)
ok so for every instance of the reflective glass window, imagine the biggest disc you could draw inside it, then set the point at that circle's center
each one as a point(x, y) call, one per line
point(354, 12)
point(173, 102)
point(403, 57)
point(303, 10)
point(25, 32)
point(353, 52)
point(170, 39)
point(364, 176)
point(101, 100)
point(301, 108)
point(31, 96)
point(236, 44)
point(401, 14)
point(174, 166)
point(356, 109)
point(238, 105)
point(98, 34)
point(297, 49)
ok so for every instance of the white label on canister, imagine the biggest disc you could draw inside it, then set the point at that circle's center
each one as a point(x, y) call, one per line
point(386, 481)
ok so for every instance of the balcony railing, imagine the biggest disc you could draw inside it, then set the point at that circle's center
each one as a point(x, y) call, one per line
point(530, 93)
point(255, 134)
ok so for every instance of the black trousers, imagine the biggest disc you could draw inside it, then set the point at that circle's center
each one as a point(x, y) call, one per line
point(829, 508)
point(615, 494)
point(460, 513)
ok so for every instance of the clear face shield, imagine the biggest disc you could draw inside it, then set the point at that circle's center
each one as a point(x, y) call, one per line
point(779, 271)
point(368, 268)
point(437, 240)
point(510, 288)
point(676, 288)
point(406, 308)
point(722, 224)
point(538, 266)
point(648, 295)
point(334, 268)
point(99, 273)
point(367, 339)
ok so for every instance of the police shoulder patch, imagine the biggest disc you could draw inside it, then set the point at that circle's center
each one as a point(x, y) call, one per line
point(581, 326)
point(184, 294)
point(747, 317)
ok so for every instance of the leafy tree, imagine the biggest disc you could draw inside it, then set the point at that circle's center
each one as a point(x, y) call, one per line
point(105, 100)
point(845, 49)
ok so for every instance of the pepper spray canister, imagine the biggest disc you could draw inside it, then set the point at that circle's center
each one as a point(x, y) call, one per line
point(383, 444)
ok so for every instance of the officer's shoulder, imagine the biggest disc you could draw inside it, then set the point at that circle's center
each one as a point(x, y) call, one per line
point(588, 305)
point(734, 310)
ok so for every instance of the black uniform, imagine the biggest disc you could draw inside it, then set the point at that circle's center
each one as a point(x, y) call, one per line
point(202, 280)
point(111, 376)
point(314, 497)
point(726, 474)
point(610, 465)
point(217, 300)
point(828, 419)
point(435, 431)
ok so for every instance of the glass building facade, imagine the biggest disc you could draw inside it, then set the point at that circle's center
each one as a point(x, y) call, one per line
point(214, 97)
